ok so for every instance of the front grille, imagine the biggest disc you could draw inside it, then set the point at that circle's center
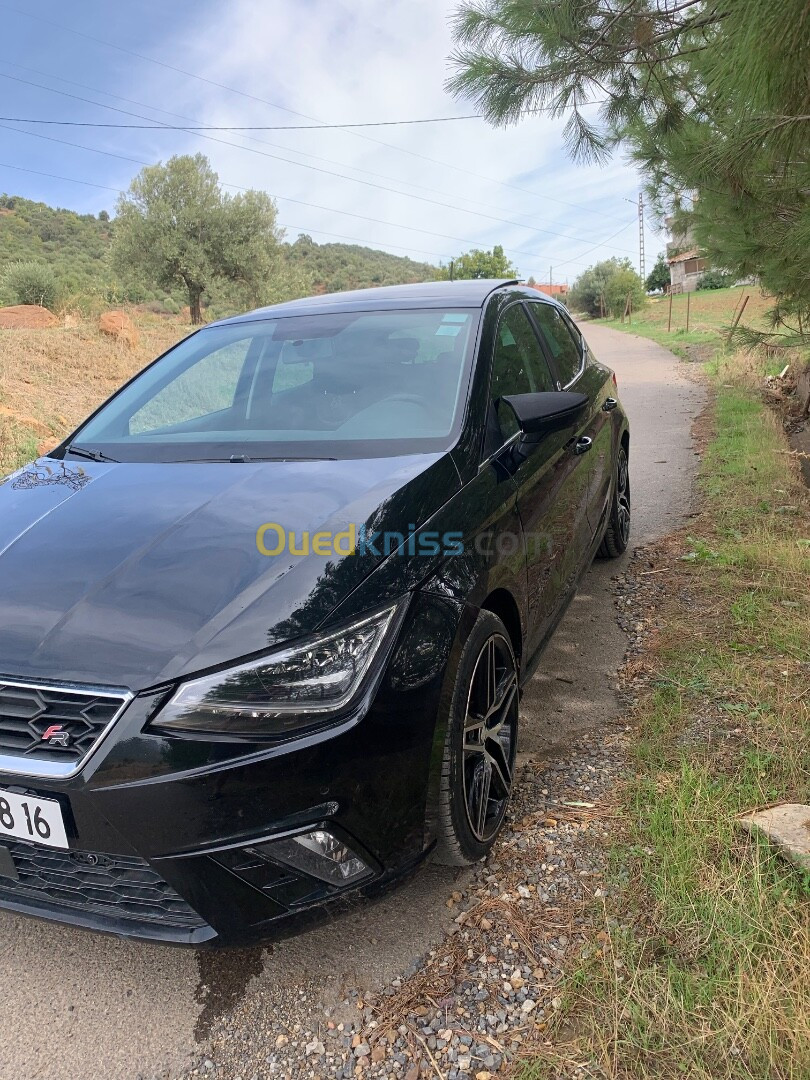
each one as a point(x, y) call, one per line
point(71, 719)
point(117, 886)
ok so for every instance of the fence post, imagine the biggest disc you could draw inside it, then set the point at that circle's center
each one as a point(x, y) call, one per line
point(669, 324)
point(737, 318)
point(688, 298)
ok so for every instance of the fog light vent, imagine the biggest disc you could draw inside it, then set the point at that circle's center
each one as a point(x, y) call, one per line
point(319, 854)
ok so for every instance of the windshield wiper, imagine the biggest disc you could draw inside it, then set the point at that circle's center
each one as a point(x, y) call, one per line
point(91, 455)
point(242, 459)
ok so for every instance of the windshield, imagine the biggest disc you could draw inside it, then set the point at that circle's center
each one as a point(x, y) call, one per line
point(346, 384)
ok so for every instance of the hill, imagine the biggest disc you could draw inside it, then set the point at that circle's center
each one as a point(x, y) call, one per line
point(337, 267)
point(76, 247)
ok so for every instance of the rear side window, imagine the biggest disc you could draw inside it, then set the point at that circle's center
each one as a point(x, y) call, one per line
point(564, 348)
point(518, 366)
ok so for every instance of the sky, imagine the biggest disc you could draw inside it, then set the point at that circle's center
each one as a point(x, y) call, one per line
point(429, 191)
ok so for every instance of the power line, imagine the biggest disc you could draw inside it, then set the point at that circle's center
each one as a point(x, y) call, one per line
point(276, 105)
point(284, 225)
point(461, 240)
point(53, 176)
point(263, 142)
point(159, 125)
point(283, 198)
point(578, 258)
point(314, 168)
point(250, 127)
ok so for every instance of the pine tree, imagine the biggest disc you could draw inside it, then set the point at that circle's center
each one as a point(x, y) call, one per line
point(710, 97)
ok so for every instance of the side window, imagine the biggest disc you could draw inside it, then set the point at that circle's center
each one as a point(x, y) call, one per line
point(560, 341)
point(518, 366)
point(208, 386)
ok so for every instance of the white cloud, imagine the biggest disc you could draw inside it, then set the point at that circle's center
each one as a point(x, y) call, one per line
point(348, 60)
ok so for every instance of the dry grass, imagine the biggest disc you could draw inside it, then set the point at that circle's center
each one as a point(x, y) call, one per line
point(703, 969)
point(51, 379)
point(710, 314)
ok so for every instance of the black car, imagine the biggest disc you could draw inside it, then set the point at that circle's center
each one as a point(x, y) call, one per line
point(265, 616)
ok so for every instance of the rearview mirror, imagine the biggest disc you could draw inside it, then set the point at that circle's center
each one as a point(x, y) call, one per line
point(541, 413)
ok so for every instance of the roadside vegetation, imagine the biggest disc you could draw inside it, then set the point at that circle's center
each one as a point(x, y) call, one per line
point(710, 316)
point(51, 379)
point(700, 964)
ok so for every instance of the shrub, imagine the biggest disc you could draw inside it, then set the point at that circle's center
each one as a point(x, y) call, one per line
point(715, 279)
point(30, 283)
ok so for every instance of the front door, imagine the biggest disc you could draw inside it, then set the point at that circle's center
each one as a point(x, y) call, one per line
point(552, 479)
point(577, 370)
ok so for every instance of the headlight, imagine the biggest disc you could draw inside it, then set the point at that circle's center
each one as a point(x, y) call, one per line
point(285, 691)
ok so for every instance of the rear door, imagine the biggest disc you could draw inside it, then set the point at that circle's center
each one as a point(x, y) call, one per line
point(552, 479)
point(569, 359)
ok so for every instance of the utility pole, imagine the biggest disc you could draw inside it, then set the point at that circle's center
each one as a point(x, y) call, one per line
point(550, 279)
point(641, 258)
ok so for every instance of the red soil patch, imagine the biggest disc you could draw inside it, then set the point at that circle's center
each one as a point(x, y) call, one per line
point(26, 317)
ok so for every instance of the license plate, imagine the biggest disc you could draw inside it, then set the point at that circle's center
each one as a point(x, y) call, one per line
point(37, 820)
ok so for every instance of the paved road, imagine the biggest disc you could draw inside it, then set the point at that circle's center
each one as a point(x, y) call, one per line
point(79, 1007)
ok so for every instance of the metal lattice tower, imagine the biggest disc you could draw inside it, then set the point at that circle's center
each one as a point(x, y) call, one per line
point(641, 257)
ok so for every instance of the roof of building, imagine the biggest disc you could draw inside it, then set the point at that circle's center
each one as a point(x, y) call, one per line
point(693, 253)
point(426, 294)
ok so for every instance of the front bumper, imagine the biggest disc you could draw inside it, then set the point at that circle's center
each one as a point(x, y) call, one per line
point(162, 829)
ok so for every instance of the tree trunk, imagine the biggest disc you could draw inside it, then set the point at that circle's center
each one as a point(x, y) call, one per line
point(194, 304)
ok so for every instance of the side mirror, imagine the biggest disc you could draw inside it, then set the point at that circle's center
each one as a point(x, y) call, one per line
point(539, 414)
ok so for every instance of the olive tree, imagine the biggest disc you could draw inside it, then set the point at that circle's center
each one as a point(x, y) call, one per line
point(175, 226)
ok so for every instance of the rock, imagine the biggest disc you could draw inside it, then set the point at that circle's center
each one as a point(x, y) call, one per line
point(27, 317)
point(117, 324)
point(787, 827)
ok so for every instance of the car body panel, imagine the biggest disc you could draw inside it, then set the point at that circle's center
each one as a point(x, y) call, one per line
point(148, 572)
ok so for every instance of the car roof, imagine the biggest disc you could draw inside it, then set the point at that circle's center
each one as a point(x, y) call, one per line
point(465, 294)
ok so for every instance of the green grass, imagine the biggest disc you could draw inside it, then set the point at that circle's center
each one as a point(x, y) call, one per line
point(710, 314)
point(705, 967)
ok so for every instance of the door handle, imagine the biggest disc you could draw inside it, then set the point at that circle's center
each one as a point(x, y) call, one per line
point(609, 404)
point(583, 445)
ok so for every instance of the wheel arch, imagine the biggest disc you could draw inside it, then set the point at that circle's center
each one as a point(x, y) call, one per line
point(503, 604)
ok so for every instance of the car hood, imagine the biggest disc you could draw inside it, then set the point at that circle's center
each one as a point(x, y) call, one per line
point(135, 574)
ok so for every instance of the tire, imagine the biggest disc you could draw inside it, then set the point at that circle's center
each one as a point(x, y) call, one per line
point(617, 534)
point(480, 745)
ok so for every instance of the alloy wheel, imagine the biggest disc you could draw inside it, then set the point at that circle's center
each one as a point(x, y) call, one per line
point(490, 737)
point(623, 496)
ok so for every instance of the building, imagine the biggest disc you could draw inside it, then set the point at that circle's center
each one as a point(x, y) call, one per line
point(557, 291)
point(685, 270)
point(686, 263)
